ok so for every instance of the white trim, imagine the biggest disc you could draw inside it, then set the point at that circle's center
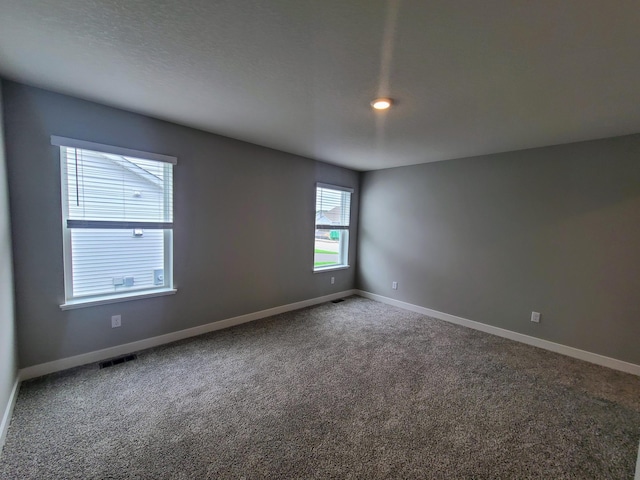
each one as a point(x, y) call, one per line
point(330, 269)
point(518, 337)
point(120, 297)
point(8, 412)
point(334, 187)
point(637, 477)
point(100, 147)
point(66, 233)
point(98, 355)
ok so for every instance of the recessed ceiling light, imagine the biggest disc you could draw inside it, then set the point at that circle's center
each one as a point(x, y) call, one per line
point(381, 103)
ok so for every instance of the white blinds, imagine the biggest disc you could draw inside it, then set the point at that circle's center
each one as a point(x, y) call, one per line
point(333, 207)
point(114, 191)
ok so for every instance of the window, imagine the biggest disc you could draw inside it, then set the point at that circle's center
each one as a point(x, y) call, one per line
point(117, 213)
point(333, 211)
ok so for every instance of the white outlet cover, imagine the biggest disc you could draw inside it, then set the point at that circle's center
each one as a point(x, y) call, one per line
point(116, 321)
point(535, 317)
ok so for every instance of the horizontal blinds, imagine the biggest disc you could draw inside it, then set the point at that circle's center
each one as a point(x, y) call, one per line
point(118, 225)
point(111, 191)
point(333, 207)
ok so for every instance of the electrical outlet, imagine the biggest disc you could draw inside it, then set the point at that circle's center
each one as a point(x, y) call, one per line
point(394, 285)
point(333, 280)
point(535, 317)
point(116, 321)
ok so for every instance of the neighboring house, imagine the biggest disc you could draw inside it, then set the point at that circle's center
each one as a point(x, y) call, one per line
point(330, 217)
point(143, 256)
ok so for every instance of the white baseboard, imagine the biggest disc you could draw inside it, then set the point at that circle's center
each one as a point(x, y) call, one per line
point(98, 355)
point(518, 337)
point(637, 477)
point(8, 412)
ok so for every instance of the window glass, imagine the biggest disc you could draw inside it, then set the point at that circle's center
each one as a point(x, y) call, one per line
point(333, 212)
point(117, 223)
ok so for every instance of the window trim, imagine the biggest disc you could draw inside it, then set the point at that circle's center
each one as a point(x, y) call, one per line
point(335, 187)
point(121, 297)
point(93, 300)
point(101, 147)
point(347, 228)
point(330, 268)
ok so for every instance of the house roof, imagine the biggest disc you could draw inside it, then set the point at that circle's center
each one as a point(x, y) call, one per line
point(468, 77)
point(334, 215)
point(130, 165)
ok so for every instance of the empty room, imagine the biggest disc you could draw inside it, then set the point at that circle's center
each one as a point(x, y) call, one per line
point(374, 239)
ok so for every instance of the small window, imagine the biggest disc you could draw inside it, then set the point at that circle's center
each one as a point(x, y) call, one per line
point(333, 212)
point(117, 212)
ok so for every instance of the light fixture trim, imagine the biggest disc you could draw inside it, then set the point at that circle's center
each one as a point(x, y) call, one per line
point(381, 103)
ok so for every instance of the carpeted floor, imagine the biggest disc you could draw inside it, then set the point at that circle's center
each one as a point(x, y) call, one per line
point(357, 389)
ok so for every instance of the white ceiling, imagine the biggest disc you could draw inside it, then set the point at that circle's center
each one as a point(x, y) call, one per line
point(470, 77)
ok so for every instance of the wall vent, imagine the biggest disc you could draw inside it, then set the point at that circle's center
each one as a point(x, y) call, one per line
point(117, 361)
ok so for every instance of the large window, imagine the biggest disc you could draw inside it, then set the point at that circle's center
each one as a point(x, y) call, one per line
point(333, 212)
point(117, 212)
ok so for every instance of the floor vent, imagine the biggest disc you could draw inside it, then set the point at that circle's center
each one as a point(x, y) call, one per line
point(117, 361)
point(338, 300)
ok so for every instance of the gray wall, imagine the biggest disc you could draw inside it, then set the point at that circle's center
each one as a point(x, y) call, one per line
point(8, 356)
point(244, 226)
point(491, 238)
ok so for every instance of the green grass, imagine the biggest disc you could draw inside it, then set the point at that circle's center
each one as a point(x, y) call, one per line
point(320, 264)
point(324, 251)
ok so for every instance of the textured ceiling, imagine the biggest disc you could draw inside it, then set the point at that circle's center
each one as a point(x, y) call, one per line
point(470, 77)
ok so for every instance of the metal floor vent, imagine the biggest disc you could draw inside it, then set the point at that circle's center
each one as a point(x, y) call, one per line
point(117, 361)
point(338, 300)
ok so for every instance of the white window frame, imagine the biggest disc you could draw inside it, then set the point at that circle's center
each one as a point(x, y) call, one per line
point(344, 238)
point(72, 302)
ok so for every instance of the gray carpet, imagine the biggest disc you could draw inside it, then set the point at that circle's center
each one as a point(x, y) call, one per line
point(357, 389)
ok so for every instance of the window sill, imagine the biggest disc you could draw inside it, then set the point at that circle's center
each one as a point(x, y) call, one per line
point(92, 302)
point(330, 269)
